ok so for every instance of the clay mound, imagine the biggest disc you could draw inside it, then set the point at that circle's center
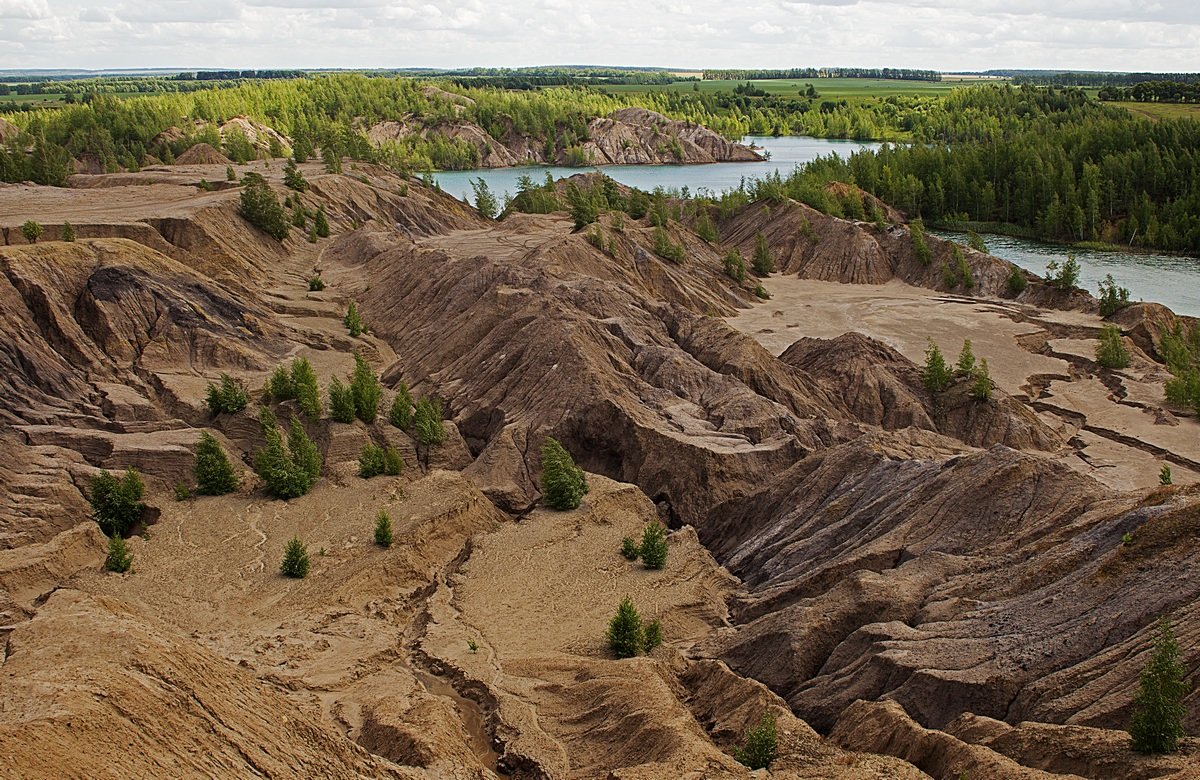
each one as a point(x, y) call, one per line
point(637, 136)
point(259, 134)
point(8, 131)
point(1146, 323)
point(202, 154)
point(842, 190)
point(882, 387)
point(438, 94)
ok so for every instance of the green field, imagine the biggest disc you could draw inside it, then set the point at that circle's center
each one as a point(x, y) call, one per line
point(829, 89)
point(1162, 110)
point(37, 101)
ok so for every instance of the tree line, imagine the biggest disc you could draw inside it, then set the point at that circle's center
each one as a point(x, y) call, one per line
point(899, 74)
point(1154, 92)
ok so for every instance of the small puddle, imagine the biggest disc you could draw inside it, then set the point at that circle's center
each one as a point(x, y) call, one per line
point(469, 712)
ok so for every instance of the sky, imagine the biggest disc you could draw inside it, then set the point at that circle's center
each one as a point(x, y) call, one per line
point(946, 35)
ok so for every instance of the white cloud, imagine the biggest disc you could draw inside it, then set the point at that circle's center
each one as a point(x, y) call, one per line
point(951, 35)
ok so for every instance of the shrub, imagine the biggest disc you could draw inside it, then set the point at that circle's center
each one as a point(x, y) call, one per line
point(652, 635)
point(119, 558)
point(316, 283)
point(383, 529)
point(936, 375)
point(354, 321)
point(1112, 297)
point(563, 483)
point(204, 186)
point(304, 385)
point(427, 422)
point(762, 262)
point(321, 223)
point(630, 549)
point(966, 360)
point(279, 386)
point(229, 173)
point(665, 248)
point(485, 201)
point(761, 744)
point(31, 230)
point(1164, 475)
point(1064, 277)
point(981, 384)
point(916, 231)
point(289, 470)
point(182, 492)
point(625, 636)
point(261, 208)
point(295, 560)
point(761, 292)
point(1111, 352)
point(312, 235)
point(68, 232)
point(705, 228)
point(1016, 281)
point(117, 501)
point(734, 266)
point(401, 413)
point(341, 402)
point(370, 461)
point(213, 472)
point(293, 178)
point(366, 390)
point(1158, 711)
point(965, 277)
point(1185, 389)
point(227, 398)
point(393, 464)
point(975, 241)
point(654, 546)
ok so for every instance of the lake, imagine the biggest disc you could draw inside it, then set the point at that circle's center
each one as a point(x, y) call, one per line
point(1171, 280)
point(786, 153)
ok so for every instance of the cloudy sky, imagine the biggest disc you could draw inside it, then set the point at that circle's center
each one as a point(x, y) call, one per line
point(947, 35)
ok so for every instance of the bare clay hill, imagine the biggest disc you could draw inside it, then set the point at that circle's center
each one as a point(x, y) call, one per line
point(914, 587)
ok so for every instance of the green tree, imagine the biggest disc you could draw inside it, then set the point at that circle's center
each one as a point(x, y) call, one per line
point(654, 546)
point(321, 222)
point(119, 558)
point(260, 207)
point(365, 389)
point(401, 412)
point(1157, 723)
point(625, 636)
point(304, 383)
point(916, 231)
point(288, 470)
point(295, 559)
point(563, 483)
point(760, 745)
point(341, 401)
point(762, 262)
point(630, 549)
point(975, 241)
point(229, 173)
point(582, 207)
point(981, 383)
point(227, 398)
point(665, 248)
point(31, 230)
point(966, 360)
point(936, 375)
point(370, 461)
point(68, 232)
point(279, 386)
point(652, 635)
point(213, 472)
point(1064, 277)
point(705, 228)
point(1016, 281)
point(734, 266)
point(354, 321)
point(1112, 297)
point(304, 452)
point(117, 501)
point(1164, 475)
point(427, 422)
point(1111, 351)
point(293, 178)
point(485, 201)
point(315, 282)
point(383, 529)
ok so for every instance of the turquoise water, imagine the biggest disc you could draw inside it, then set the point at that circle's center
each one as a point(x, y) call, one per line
point(786, 153)
point(1171, 280)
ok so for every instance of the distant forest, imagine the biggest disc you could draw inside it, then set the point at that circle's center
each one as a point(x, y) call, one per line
point(1154, 92)
point(902, 74)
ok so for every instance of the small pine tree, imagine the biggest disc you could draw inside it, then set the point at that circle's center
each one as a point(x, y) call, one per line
point(289, 470)
point(1112, 297)
point(762, 262)
point(630, 549)
point(295, 560)
point(304, 452)
point(485, 201)
point(563, 483)
point(316, 283)
point(761, 744)
point(312, 235)
point(341, 402)
point(321, 223)
point(366, 390)
point(353, 321)
point(652, 635)
point(1016, 282)
point(119, 558)
point(370, 461)
point(393, 464)
point(401, 413)
point(279, 386)
point(705, 228)
point(427, 422)
point(1157, 723)
point(304, 385)
point(734, 265)
point(31, 230)
point(654, 546)
point(936, 375)
point(625, 636)
point(230, 175)
point(1111, 352)
point(227, 398)
point(260, 207)
point(981, 383)
point(293, 178)
point(68, 232)
point(916, 231)
point(383, 529)
point(117, 501)
point(966, 360)
point(1164, 475)
point(975, 241)
point(213, 472)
